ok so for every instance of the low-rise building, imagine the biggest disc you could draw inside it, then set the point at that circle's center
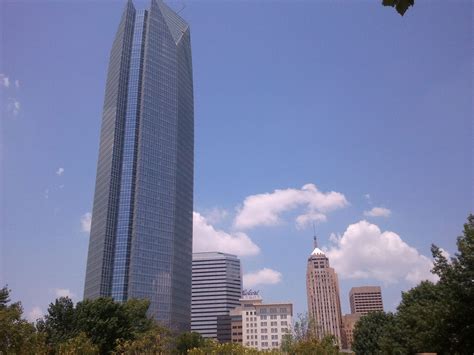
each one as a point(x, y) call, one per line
point(261, 325)
point(348, 324)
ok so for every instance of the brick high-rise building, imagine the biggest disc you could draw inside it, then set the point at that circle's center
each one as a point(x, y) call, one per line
point(322, 287)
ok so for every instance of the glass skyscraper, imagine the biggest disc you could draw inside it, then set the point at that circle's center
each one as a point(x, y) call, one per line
point(141, 233)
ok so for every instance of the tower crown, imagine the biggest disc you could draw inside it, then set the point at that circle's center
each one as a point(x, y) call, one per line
point(316, 250)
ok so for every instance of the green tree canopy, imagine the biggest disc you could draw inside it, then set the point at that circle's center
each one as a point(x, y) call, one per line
point(456, 292)
point(17, 336)
point(369, 332)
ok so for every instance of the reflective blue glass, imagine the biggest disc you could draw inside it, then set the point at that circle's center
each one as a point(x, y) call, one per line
point(150, 222)
point(129, 153)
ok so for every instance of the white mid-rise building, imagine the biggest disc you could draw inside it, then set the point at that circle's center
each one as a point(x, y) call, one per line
point(263, 324)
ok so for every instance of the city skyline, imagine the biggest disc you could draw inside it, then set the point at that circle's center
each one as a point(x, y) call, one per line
point(141, 225)
point(387, 131)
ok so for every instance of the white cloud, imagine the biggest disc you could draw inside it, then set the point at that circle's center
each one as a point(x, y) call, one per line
point(207, 238)
point(306, 219)
point(34, 314)
point(64, 292)
point(4, 80)
point(17, 84)
point(378, 212)
point(215, 215)
point(265, 209)
point(364, 251)
point(264, 276)
point(60, 171)
point(13, 106)
point(86, 222)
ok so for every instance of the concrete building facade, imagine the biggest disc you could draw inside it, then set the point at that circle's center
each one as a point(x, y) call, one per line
point(348, 324)
point(216, 290)
point(365, 299)
point(261, 325)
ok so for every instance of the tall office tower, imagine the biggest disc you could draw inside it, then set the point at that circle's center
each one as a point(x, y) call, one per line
point(322, 288)
point(366, 299)
point(141, 234)
point(217, 288)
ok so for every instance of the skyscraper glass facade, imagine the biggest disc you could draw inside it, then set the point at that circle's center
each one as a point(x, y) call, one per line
point(141, 232)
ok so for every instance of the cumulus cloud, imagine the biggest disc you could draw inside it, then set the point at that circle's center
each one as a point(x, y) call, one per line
point(64, 292)
point(266, 209)
point(207, 238)
point(378, 212)
point(60, 171)
point(4, 80)
point(215, 215)
point(86, 222)
point(264, 276)
point(35, 313)
point(364, 251)
point(306, 219)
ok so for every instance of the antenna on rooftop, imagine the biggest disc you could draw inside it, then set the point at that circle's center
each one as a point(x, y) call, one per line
point(315, 238)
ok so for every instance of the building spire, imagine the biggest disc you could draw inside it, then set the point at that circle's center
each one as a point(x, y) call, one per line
point(315, 238)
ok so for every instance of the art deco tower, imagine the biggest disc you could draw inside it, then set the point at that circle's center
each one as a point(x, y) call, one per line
point(141, 234)
point(322, 288)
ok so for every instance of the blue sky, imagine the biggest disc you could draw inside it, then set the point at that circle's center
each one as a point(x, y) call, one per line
point(347, 96)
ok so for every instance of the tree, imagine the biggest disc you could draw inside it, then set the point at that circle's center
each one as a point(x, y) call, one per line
point(102, 321)
point(79, 345)
point(456, 287)
point(189, 340)
point(17, 336)
point(370, 330)
point(304, 339)
point(213, 347)
point(157, 340)
point(59, 322)
point(400, 5)
point(420, 317)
